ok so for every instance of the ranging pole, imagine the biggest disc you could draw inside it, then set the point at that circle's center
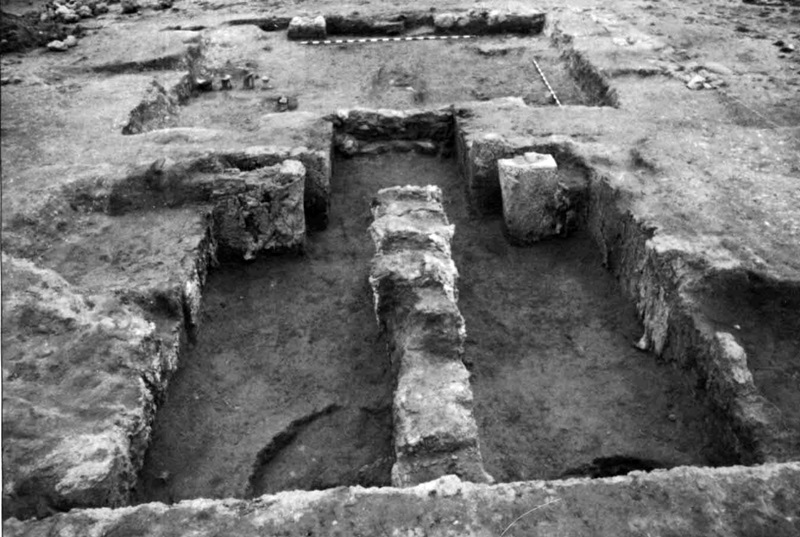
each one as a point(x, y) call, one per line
point(546, 83)
point(386, 39)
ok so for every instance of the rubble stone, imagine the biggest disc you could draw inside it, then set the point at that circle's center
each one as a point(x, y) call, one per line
point(57, 46)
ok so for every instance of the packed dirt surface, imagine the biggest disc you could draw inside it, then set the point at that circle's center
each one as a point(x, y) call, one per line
point(662, 332)
point(403, 75)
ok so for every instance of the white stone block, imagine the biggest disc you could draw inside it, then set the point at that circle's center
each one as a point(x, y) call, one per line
point(532, 197)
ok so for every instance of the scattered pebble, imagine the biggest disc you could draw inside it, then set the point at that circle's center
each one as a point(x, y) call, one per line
point(57, 46)
point(697, 82)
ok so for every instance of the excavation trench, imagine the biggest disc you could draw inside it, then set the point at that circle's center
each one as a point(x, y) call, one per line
point(288, 385)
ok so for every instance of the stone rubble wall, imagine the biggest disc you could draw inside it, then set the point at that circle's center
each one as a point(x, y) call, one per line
point(413, 278)
point(686, 501)
point(396, 22)
point(167, 183)
point(371, 131)
point(260, 210)
point(318, 165)
point(485, 21)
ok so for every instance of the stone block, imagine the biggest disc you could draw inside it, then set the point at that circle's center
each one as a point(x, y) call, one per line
point(307, 28)
point(534, 203)
point(260, 210)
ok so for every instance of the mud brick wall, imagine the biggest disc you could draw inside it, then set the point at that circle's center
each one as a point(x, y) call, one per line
point(413, 278)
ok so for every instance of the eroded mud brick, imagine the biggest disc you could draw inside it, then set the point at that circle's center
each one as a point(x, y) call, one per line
point(534, 204)
point(307, 28)
point(260, 210)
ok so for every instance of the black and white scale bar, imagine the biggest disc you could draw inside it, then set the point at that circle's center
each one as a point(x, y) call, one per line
point(387, 39)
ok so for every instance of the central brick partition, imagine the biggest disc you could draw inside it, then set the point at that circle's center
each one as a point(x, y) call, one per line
point(413, 278)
